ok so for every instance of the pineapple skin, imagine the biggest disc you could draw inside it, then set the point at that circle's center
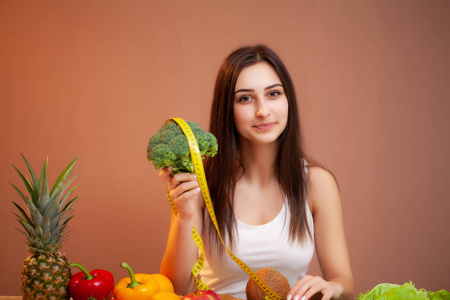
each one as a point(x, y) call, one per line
point(46, 276)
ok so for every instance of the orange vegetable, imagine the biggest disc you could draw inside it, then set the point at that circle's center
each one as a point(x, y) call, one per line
point(143, 286)
point(165, 296)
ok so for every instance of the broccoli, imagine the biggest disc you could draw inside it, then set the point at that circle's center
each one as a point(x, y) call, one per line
point(169, 147)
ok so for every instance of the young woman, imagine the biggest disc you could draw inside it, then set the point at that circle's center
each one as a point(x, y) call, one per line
point(272, 207)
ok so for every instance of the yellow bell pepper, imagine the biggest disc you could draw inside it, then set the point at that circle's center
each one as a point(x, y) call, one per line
point(138, 286)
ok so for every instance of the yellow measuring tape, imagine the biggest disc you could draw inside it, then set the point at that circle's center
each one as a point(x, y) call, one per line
point(199, 171)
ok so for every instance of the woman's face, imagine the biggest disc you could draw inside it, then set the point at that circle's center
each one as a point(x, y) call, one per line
point(260, 104)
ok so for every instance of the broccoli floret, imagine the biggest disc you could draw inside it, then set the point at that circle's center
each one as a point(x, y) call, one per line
point(169, 147)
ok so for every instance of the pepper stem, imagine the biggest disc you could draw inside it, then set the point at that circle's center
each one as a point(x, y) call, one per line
point(133, 282)
point(86, 273)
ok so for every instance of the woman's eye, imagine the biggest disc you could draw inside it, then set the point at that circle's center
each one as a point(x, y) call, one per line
point(274, 93)
point(244, 98)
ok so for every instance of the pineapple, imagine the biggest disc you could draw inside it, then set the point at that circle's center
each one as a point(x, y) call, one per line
point(46, 272)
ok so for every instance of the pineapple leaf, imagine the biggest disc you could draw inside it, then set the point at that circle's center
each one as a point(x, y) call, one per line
point(46, 225)
point(19, 192)
point(44, 170)
point(28, 227)
point(19, 218)
point(21, 221)
point(31, 207)
point(58, 195)
point(29, 239)
point(46, 237)
point(62, 226)
point(54, 223)
point(38, 243)
point(27, 184)
point(68, 195)
point(26, 243)
point(44, 197)
point(26, 218)
point(49, 248)
point(39, 232)
point(52, 208)
point(35, 182)
point(69, 205)
point(58, 231)
point(48, 212)
point(66, 220)
point(27, 233)
point(33, 249)
point(37, 218)
point(58, 241)
point(53, 239)
point(63, 177)
point(65, 211)
point(57, 191)
point(63, 237)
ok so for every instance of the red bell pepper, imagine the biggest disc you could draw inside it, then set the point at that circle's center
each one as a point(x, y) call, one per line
point(97, 284)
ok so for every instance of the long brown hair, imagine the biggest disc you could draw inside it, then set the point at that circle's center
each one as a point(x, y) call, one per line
point(221, 170)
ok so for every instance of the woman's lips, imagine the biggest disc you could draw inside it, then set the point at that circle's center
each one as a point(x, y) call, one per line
point(264, 126)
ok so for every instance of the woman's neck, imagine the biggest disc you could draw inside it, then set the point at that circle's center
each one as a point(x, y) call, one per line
point(259, 161)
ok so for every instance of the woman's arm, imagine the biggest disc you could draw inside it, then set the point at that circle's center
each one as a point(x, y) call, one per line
point(181, 251)
point(331, 247)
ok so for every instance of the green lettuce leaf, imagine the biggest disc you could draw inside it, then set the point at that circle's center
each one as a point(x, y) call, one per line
point(389, 291)
point(439, 295)
point(378, 290)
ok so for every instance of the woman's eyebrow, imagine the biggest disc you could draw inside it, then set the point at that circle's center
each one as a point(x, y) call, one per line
point(244, 90)
point(252, 90)
point(273, 85)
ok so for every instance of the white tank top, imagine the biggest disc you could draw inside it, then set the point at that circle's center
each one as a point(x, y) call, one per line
point(261, 246)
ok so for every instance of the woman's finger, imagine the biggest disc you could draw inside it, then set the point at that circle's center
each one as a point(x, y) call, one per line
point(179, 178)
point(188, 195)
point(182, 188)
point(308, 287)
point(316, 288)
point(306, 290)
point(165, 173)
point(327, 294)
point(298, 285)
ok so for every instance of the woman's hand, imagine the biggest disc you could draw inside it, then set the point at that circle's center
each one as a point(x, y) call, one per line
point(181, 251)
point(309, 286)
point(184, 190)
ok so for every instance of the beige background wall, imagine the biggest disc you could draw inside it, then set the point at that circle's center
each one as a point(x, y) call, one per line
point(98, 78)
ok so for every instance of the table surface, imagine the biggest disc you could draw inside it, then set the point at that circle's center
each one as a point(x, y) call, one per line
point(12, 298)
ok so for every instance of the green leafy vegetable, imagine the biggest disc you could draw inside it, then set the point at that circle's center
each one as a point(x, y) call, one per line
point(389, 291)
point(439, 295)
point(169, 147)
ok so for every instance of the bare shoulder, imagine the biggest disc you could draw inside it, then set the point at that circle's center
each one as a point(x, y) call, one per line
point(322, 187)
point(320, 178)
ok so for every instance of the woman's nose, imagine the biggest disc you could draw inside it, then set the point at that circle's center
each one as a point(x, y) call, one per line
point(263, 111)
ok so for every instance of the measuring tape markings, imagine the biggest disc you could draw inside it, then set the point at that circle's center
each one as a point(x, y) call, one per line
point(172, 204)
point(200, 262)
point(201, 178)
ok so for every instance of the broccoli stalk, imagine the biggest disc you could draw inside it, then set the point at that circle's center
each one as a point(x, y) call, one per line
point(169, 147)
